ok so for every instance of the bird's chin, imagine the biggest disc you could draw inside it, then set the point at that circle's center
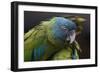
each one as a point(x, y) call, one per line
point(69, 41)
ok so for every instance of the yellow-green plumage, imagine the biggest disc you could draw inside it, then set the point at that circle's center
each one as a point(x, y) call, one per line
point(42, 37)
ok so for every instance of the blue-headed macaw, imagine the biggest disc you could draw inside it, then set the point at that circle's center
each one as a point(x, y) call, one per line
point(55, 37)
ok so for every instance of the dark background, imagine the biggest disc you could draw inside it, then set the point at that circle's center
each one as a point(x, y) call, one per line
point(32, 18)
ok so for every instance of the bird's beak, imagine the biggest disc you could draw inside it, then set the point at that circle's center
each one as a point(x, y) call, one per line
point(71, 37)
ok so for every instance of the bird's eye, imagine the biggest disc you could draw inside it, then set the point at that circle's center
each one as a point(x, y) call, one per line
point(63, 27)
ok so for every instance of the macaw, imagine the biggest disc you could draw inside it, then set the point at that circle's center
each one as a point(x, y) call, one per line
point(54, 37)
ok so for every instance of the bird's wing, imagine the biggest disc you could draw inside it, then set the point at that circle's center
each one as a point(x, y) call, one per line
point(33, 39)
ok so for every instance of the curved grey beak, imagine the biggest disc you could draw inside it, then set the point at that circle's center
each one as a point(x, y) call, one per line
point(71, 36)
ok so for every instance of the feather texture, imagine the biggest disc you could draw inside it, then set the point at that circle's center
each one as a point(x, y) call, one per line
point(47, 38)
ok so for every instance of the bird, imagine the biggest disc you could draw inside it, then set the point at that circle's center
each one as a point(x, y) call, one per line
point(66, 53)
point(54, 37)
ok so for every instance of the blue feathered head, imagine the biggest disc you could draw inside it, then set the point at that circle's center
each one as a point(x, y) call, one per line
point(64, 29)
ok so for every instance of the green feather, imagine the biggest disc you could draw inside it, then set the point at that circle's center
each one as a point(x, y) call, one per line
point(42, 34)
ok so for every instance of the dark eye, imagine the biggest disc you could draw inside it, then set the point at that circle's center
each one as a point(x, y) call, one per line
point(63, 27)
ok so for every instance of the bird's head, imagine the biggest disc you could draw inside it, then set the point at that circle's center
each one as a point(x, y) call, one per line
point(64, 29)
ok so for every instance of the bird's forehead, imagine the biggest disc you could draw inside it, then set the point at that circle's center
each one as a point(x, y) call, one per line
point(63, 21)
point(60, 21)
